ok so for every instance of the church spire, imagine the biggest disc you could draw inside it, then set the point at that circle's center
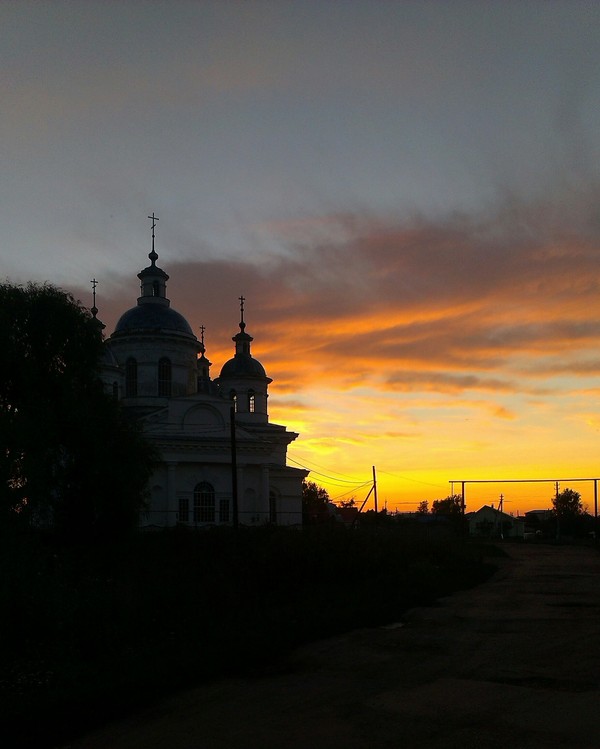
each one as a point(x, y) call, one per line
point(153, 279)
point(242, 323)
point(152, 255)
point(94, 309)
point(242, 340)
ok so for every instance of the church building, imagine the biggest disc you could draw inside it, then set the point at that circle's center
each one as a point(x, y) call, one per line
point(222, 461)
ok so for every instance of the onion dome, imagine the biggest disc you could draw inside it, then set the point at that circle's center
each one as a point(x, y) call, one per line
point(243, 364)
point(153, 313)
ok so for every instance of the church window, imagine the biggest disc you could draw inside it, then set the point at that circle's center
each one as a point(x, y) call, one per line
point(251, 401)
point(164, 377)
point(130, 378)
point(233, 396)
point(204, 503)
point(155, 288)
point(184, 509)
point(224, 510)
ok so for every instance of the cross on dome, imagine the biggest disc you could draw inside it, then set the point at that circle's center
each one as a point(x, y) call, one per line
point(242, 323)
point(94, 309)
point(153, 256)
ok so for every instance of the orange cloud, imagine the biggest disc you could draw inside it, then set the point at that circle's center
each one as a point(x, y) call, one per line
point(463, 341)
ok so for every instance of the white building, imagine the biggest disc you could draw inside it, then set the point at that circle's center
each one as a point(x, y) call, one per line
point(155, 364)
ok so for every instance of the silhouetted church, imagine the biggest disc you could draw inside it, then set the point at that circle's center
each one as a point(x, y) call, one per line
point(155, 364)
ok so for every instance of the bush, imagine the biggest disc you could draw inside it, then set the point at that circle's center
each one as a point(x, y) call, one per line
point(100, 630)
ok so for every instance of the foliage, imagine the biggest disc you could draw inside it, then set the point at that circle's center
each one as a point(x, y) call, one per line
point(315, 501)
point(69, 457)
point(570, 518)
point(124, 623)
point(423, 507)
point(450, 506)
point(567, 504)
point(348, 502)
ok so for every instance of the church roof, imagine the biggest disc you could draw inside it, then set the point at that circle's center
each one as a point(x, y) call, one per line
point(243, 365)
point(147, 318)
point(153, 313)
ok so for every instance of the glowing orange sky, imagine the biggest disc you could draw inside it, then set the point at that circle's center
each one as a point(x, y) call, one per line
point(431, 351)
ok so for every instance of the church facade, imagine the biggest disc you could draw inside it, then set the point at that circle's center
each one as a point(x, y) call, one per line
point(222, 460)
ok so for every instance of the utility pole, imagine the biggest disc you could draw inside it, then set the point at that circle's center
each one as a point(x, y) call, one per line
point(375, 489)
point(234, 486)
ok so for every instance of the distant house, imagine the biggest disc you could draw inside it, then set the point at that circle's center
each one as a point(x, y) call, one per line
point(488, 522)
point(540, 524)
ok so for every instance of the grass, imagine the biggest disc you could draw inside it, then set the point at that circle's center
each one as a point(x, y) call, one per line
point(98, 630)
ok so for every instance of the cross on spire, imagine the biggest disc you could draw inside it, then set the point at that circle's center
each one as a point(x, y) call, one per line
point(242, 323)
point(153, 256)
point(94, 309)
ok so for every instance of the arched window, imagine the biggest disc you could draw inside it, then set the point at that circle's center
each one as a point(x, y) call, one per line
point(251, 401)
point(204, 503)
point(164, 377)
point(131, 378)
point(155, 288)
point(233, 396)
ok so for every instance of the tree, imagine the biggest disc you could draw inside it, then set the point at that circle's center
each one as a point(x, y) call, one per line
point(567, 504)
point(68, 454)
point(348, 502)
point(423, 507)
point(315, 501)
point(451, 506)
point(569, 512)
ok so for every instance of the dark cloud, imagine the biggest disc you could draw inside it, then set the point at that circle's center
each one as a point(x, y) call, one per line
point(462, 304)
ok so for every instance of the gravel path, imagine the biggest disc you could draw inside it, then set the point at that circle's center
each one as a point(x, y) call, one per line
point(513, 663)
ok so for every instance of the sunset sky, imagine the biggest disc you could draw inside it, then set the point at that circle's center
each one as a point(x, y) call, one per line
point(406, 193)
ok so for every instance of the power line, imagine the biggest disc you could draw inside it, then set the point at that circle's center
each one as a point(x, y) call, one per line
point(406, 478)
point(312, 462)
point(333, 479)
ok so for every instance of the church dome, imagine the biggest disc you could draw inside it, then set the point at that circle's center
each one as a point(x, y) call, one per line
point(243, 365)
point(146, 318)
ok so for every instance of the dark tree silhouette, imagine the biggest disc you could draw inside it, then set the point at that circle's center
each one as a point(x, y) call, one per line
point(450, 506)
point(567, 504)
point(315, 501)
point(69, 457)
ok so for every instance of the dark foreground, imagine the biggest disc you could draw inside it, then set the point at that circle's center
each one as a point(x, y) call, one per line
point(513, 663)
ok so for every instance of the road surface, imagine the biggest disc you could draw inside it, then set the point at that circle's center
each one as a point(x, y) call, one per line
point(513, 663)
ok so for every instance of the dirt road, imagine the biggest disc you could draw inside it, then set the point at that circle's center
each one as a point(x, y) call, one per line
point(513, 663)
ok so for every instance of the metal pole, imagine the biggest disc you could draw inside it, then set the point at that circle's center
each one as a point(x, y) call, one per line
point(596, 510)
point(375, 489)
point(234, 486)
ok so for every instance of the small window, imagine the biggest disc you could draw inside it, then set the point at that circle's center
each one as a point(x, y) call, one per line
point(251, 401)
point(233, 396)
point(204, 503)
point(184, 509)
point(164, 377)
point(131, 378)
point(155, 288)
